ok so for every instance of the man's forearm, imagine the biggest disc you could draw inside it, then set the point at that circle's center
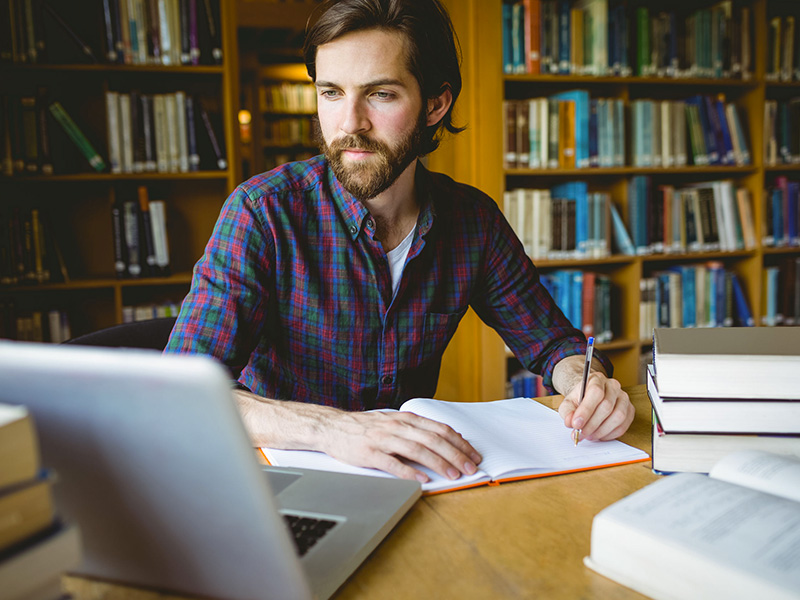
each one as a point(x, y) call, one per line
point(284, 424)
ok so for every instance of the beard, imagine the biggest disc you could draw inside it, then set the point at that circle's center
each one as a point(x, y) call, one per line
point(369, 177)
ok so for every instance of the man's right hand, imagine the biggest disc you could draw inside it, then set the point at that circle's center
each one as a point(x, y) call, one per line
point(375, 439)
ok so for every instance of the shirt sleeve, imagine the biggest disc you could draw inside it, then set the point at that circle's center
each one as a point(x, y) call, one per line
point(223, 313)
point(516, 304)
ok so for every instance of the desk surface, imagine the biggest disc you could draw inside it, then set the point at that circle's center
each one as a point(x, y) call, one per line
point(525, 539)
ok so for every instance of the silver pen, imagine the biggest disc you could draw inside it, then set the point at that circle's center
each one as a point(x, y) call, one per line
point(587, 367)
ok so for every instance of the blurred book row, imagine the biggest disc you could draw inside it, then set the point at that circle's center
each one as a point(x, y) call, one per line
point(610, 37)
point(137, 32)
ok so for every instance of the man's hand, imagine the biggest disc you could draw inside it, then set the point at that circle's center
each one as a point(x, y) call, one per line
point(380, 440)
point(606, 411)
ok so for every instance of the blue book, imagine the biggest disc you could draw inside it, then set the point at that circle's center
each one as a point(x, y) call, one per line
point(662, 300)
point(581, 100)
point(707, 130)
point(621, 236)
point(744, 315)
point(726, 131)
point(777, 217)
point(716, 128)
point(792, 191)
point(594, 152)
point(564, 37)
point(689, 291)
point(576, 299)
point(564, 292)
point(619, 132)
point(508, 53)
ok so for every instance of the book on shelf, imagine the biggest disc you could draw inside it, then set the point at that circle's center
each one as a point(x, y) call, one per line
point(781, 292)
point(700, 217)
point(35, 570)
point(706, 536)
point(217, 143)
point(599, 37)
point(566, 130)
point(728, 362)
point(518, 439)
point(171, 33)
point(566, 221)
point(734, 415)
point(676, 452)
point(585, 298)
point(29, 251)
point(77, 136)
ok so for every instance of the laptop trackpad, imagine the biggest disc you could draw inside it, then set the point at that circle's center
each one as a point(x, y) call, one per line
point(280, 480)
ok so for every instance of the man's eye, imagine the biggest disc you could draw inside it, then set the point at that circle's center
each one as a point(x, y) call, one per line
point(383, 95)
point(327, 93)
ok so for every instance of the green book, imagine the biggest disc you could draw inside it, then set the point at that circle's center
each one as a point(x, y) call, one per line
point(77, 136)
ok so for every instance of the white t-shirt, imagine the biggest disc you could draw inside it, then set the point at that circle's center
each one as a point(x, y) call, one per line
point(397, 259)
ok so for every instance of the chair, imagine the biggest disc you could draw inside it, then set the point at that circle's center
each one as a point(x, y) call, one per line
point(152, 333)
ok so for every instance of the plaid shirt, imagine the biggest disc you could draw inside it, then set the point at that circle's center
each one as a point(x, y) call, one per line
point(294, 290)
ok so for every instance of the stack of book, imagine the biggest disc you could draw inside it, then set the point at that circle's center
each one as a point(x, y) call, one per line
point(35, 547)
point(716, 391)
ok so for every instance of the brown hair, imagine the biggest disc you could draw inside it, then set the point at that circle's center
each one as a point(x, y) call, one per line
point(433, 52)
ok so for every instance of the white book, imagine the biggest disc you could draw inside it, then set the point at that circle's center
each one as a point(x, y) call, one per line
point(544, 135)
point(667, 126)
point(511, 212)
point(34, 573)
point(165, 32)
point(679, 130)
point(545, 225)
point(534, 129)
point(183, 142)
point(502, 432)
point(158, 220)
point(525, 219)
point(160, 122)
point(173, 147)
point(114, 134)
point(126, 129)
point(731, 534)
point(535, 224)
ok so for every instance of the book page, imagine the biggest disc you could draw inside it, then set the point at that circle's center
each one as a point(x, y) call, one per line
point(521, 436)
point(725, 524)
point(772, 473)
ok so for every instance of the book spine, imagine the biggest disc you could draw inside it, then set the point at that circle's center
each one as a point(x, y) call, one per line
point(147, 231)
point(133, 248)
point(118, 233)
point(222, 162)
point(77, 136)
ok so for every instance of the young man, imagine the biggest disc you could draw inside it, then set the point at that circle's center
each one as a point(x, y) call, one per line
point(335, 284)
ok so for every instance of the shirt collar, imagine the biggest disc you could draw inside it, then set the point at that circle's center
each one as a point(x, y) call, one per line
point(355, 213)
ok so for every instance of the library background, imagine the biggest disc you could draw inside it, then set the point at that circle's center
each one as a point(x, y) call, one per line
point(646, 153)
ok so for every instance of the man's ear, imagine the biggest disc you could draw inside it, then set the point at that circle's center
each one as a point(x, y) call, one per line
point(439, 105)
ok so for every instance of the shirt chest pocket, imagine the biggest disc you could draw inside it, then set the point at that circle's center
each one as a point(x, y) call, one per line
point(438, 330)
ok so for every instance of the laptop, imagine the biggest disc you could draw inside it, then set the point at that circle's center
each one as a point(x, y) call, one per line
point(153, 462)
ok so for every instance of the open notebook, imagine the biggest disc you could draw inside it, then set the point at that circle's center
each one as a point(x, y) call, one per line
point(518, 439)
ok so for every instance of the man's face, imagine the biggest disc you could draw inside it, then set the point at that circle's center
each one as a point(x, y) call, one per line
point(370, 110)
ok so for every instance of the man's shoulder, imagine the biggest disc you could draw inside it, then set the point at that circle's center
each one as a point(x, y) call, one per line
point(452, 195)
point(292, 177)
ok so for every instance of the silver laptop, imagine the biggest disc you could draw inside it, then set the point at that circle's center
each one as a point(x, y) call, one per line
point(154, 464)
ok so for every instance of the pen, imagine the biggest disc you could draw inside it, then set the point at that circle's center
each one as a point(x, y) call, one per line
point(587, 366)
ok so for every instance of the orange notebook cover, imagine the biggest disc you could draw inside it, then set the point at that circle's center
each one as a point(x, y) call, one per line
point(518, 438)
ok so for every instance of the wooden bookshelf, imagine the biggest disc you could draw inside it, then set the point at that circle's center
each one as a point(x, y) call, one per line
point(78, 200)
point(475, 366)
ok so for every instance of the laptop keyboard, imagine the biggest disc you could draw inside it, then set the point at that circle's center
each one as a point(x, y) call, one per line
point(307, 531)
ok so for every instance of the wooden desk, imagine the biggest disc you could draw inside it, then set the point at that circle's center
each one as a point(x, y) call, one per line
point(518, 540)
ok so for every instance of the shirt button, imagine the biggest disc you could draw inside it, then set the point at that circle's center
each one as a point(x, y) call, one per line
point(387, 379)
point(370, 223)
point(353, 228)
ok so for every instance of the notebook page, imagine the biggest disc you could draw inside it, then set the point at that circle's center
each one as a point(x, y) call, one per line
point(307, 459)
point(521, 435)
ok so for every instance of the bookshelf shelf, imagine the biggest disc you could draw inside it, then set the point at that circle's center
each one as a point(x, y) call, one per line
point(480, 25)
point(617, 171)
point(74, 248)
point(595, 81)
point(105, 69)
point(116, 177)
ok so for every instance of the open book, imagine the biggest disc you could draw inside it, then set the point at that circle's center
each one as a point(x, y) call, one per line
point(518, 439)
point(734, 533)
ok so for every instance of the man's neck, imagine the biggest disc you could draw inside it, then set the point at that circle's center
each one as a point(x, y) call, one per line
point(395, 210)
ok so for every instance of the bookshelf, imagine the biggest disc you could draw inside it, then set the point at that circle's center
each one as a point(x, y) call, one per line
point(476, 157)
point(76, 200)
